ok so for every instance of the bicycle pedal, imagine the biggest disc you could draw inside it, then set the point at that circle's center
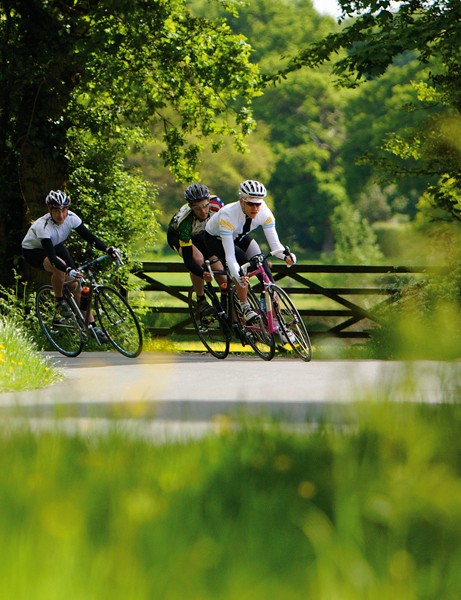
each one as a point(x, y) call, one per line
point(57, 321)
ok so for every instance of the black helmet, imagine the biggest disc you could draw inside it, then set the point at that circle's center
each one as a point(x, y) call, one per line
point(196, 192)
point(57, 199)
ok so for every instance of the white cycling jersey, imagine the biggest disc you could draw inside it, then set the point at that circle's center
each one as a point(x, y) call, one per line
point(228, 223)
point(45, 228)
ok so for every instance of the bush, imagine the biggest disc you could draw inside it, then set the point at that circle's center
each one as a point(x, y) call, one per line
point(21, 367)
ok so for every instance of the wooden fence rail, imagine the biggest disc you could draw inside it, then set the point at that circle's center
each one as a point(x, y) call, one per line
point(349, 310)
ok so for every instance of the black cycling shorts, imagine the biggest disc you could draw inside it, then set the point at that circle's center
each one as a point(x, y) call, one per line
point(198, 241)
point(36, 256)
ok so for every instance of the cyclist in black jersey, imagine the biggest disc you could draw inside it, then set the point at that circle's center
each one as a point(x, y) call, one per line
point(185, 236)
point(43, 248)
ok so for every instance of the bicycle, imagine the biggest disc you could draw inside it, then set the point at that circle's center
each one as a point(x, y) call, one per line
point(217, 329)
point(115, 316)
point(281, 315)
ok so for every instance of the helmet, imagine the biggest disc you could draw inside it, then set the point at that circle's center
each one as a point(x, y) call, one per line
point(57, 198)
point(196, 192)
point(252, 189)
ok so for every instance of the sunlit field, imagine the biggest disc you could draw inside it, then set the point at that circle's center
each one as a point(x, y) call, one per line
point(369, 509)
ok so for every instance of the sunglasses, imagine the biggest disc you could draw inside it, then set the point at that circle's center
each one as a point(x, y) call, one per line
point(200, 206)
point(258, 204)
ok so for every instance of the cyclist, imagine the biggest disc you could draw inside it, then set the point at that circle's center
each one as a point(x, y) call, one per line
point(185, 236)
point(43, 248)
point(227, 236)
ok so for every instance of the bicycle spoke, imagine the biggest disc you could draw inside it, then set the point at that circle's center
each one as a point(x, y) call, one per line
point(292, 330)
point(257, 333)
point(64, 334)
point(118, 321)
point(210, 328)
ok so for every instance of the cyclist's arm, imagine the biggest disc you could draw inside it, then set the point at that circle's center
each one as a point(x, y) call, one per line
point(231, 260)
point(273, 241)
point(47, 245)
point(89, 237)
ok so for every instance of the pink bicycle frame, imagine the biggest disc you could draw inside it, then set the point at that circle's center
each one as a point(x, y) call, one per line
point(272, 325)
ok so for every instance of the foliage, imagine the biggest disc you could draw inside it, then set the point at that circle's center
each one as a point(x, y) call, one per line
point(17, 305)
point(21, 367)
point(369, 510)
point(83, 83)
point(378, 38)
point(424, 321)
point(355, 240)
point(301, 121)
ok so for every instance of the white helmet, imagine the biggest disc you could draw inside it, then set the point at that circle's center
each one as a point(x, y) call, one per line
point(252, 189)
point(57, 198)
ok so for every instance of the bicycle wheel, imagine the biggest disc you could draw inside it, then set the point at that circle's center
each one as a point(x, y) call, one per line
point(292, 328)
point(211, 329)
point(64, 334)
point(118, 321)
point(257, 334)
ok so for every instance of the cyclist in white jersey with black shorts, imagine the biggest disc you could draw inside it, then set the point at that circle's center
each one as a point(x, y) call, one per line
point(227, 236)
point(43, 248)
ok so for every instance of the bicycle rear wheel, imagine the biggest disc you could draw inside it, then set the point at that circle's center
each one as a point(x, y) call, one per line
point(118, 321)
point(211, 329)
point(64, 334)
point(257, 334)
point(292, 328)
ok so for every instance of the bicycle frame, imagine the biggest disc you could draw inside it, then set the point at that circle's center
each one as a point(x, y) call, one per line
point(272, 325)
point(84, 321)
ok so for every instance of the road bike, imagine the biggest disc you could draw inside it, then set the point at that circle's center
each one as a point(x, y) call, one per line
point(278, 310)
point(111, 310)
point(225, 321)
point(277, 316)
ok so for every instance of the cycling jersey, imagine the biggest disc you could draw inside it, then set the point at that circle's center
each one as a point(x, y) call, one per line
point(228, 225)
point(186, 229)
point(46, 228)
point(186, 225)
point(46, 236)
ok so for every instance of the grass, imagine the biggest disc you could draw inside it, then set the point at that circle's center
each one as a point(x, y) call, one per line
point(368, 511)
point(21, 367)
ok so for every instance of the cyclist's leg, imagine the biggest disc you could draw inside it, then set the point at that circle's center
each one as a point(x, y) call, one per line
point(58, 277)
point(199, 242)
point(251, 248)
point(198, 258)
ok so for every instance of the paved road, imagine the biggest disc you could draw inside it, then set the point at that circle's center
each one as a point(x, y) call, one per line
point(173, 391)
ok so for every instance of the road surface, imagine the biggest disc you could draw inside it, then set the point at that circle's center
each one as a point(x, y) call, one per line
point(179, 391)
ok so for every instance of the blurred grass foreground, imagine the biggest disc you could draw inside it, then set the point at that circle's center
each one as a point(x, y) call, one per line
point(370, 510)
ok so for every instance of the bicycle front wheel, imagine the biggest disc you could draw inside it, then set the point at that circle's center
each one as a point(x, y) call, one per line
point(118, 321)
point(257, 333)
point(211, 329)
point(64, 334)
point(291, 327)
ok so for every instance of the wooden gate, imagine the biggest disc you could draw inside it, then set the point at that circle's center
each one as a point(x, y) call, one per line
point(343, 301)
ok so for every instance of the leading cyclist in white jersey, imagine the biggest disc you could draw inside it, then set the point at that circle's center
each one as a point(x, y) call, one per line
point(227, 236)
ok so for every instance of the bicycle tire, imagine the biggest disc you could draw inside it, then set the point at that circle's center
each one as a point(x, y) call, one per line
point(293, 330)
point(66, 336)
point(212, 331)
point(257, 334)
point(118, 321)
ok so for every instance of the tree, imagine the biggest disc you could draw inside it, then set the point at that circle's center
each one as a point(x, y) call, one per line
point(81, 83)
point(366, 49)
point(303, 118)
